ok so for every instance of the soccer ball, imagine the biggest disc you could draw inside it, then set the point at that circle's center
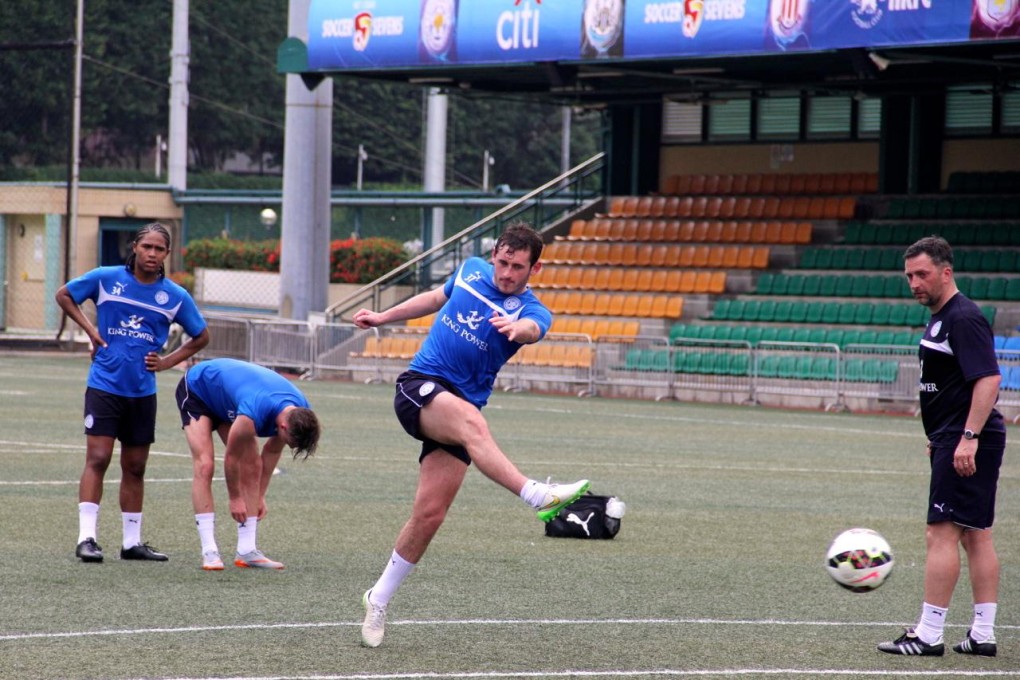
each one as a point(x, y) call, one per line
point(859, 560)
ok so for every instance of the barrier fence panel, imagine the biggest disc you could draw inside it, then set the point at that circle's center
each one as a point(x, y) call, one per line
point(1009, 388)
point(799, 370)
point(881, 372)
point(559, 361)
point(283, 344)
point(229, 337)
point(337, 345)
point(634, 366)
point(713, 365)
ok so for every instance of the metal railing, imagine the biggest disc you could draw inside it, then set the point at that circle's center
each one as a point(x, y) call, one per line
point(555, 199)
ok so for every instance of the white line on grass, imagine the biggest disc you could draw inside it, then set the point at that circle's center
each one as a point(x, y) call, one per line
point(659, 672)
point(470, 622)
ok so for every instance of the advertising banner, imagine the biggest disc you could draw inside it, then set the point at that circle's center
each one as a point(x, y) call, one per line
point(833, 24)
point(357, 34)
point(694, 27)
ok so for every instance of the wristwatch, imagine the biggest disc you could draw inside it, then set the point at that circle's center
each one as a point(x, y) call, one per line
point(971, 434)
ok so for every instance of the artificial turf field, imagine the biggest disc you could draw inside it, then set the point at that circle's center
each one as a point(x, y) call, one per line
point(716, 573)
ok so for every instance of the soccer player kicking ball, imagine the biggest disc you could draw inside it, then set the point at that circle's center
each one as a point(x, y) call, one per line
point(486, 312)
point(241, 402)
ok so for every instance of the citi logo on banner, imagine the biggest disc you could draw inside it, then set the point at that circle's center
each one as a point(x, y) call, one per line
point(518, 28)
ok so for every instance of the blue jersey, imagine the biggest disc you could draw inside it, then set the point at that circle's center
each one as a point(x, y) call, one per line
point(956, 350)
point(231, 388)
point(134, 319)
point(462, 347)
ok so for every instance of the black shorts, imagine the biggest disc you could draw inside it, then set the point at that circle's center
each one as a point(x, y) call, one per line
point(191, 407)
point(414, 392)
point(132, 420)
point(967, 501)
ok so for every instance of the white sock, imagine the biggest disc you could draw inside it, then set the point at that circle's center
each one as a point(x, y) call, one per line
point(533, 493)
point(983, 628)
point(88, 518)
point(132, 522)
point(246, 536)
point(397, 569)
point(206, 523)
point(933, 622)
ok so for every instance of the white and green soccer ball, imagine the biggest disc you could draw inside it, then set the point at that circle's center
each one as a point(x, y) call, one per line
point(859, 560)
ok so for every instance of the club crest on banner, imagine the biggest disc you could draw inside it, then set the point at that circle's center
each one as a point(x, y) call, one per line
point(786, 19)
point(997, 14)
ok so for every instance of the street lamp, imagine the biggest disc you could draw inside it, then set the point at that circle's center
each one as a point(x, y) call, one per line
point(487, 161)
point(267, 217)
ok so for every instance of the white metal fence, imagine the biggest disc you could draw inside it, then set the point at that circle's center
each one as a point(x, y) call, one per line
point(807, 374)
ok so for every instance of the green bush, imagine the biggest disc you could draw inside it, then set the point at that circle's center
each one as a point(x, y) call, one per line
point(350, 261)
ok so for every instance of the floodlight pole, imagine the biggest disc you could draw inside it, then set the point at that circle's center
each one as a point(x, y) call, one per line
point(177, 152)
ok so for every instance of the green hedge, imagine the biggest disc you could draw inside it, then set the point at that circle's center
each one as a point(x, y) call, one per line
point(350, 261)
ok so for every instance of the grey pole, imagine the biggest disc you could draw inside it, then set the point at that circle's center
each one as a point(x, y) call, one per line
point(305, 225)
point(177, 151)
point(435, 161)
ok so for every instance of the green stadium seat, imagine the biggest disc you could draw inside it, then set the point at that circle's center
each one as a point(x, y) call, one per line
point(989, 260)
point(678, 361)
point(796, 285)
point(865, 312)
point(847, 313)
point(896, 286)
point(780, 282)
point(902, 338)
point(802, 335)
point(989, 312)
point(823, 368)
point(738, 333)
point(1013, 289)
point(888, 371)
point(817, 335)
point(852, 233)
point(898, 314)
point(876, 286)
point(764, 284)
point(844, 286)
point(830, 313)
point(754, 334)
point(834, 336)
point(853, 370)
point(740, 364)
point(787, 367)
point(884, 338)
point(814, 312)
point(867, 337)
point(812, 285)
point(855, 259)
point(871, 259)
point(917, 315)
point(860, 285)
point(784, 334)
point(633, 359)
point(798, 311)
point(768, 366)
point(1007, 261)
point(693, 362)
point(869, 370)
point(839, 257)
point(766, 311)
point(782, 311)
point(769, 333)
point(965, 284)
point(880, 315)
point(808, 258)
point(850, 337)
point(827, 284)
point(721, 333)
point(803, 368)
point(823, 259)
point(750, 311)
point(997, 288)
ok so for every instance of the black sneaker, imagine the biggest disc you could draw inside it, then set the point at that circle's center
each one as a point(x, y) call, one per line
point(89, 551)
point(911, 645)
point(972, 646)
point(142, 551)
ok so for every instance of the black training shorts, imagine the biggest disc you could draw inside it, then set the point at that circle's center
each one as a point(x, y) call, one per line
point(414, 392)
point(132, 420)
point(967, 501)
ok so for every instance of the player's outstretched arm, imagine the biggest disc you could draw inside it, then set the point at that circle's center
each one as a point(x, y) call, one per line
point(420, 305)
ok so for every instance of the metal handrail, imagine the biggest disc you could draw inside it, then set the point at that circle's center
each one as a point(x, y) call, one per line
point(418, 272)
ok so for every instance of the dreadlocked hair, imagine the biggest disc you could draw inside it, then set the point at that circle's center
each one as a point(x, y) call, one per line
point(149, 228)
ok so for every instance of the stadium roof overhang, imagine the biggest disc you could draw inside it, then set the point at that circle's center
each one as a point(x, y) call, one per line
point(861, 72)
